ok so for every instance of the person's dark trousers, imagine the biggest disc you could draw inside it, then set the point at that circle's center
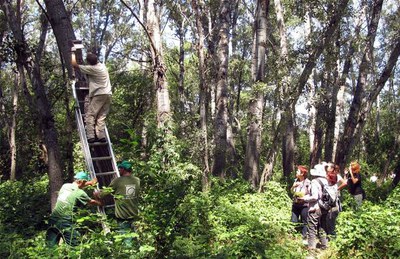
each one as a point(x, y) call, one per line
point(62, 229)
point(126, 226)
point(331, 221)
point(300, 213)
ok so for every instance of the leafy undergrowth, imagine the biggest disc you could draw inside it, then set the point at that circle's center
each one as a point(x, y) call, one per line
point(179, 221)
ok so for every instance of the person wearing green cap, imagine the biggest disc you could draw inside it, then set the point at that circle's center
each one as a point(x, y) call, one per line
point(62, 221)
point(126, 190)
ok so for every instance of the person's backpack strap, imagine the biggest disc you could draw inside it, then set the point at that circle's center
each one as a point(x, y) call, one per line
point(322, 185)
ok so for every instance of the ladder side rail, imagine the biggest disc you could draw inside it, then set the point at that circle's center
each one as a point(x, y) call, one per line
point(82, 134)
point(114, 162)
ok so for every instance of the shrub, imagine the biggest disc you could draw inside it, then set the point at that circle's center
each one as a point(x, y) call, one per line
point(22, 209)
point(239, 224)
point(370, 232)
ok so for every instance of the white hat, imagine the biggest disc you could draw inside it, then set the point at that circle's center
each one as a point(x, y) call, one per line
point(318, 170)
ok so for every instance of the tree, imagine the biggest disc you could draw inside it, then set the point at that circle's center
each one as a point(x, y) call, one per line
point(31, 64)
point(363, 99)
point(221, 118)
point(256, 106)
point(197, 7)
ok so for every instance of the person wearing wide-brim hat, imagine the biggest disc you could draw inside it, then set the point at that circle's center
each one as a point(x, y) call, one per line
point(125, 189)
point(314, 213)
point(62, 221)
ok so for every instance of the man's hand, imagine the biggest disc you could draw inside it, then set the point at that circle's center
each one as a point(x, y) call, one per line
point(92, 182)
point(73, 49)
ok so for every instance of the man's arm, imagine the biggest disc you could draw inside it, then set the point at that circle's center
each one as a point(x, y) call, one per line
point(73, 60)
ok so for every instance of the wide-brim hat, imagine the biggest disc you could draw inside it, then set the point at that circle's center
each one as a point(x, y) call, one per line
point(318, 171)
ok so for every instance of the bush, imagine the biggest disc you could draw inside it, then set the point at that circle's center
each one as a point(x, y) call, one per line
point(370, 232)
point(236, 223)
point(23, 208)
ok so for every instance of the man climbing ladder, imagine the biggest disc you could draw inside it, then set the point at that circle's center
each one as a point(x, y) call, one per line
point(92, 103)
point(99, 94)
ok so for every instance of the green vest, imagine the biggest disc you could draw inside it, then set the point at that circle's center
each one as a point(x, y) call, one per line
point(69, 197)
point(126, 194)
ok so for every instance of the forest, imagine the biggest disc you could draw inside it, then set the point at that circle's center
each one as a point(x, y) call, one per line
point(215, 103)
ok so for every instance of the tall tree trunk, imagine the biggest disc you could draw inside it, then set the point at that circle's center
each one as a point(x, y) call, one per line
point(256, 105)
point(152, 29)
point(181, 78)
point(197, 7)
point(331, 98)
point(312, 113)
point(159, 74)
point(13, 126)
point(288, 146)
point(221, 118)
point(62, 27)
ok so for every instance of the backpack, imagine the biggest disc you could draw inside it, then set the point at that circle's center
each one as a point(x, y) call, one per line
point(330, 196)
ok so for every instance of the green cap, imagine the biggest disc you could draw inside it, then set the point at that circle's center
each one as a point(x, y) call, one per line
point(82, 176)
point(125, 165)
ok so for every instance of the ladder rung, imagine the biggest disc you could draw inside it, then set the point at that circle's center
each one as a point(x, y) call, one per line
point(81, 88)
point(105, 173)
point(98, 144)
point(101, 158)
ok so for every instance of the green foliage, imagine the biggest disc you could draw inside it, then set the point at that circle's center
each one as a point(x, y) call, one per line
point(393, 201)
point(22, 209)
point(370, 232)
point(231, 222)
point(132, 100)
point(166, 181)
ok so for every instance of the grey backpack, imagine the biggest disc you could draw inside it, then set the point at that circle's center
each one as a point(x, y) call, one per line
point(330, 196)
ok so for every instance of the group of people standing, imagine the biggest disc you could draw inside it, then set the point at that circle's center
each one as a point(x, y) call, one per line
point(316, 221)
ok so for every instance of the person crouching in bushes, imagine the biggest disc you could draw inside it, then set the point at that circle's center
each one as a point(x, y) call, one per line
point(353, 178)
point(300, 188)
point(62, 220)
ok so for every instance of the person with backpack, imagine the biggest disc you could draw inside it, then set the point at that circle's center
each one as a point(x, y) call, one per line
point(353, 178)
point(300, 188)
point(318, 206)
point(333, 213)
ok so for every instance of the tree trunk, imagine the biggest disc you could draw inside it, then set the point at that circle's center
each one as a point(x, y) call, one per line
point(197, 7)
point(13, 126)
point(256, 106)
point(62, 27)
point(159, 72)
point(221, 118)
point(181, 78)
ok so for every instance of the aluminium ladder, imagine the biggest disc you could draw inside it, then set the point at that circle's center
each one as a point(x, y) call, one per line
point(99, 156)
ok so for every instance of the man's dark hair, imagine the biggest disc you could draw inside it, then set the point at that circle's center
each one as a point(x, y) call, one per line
point(92, 59)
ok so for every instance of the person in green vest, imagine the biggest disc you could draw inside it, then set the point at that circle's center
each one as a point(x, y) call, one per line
point(62, 221)
point(125, 190)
